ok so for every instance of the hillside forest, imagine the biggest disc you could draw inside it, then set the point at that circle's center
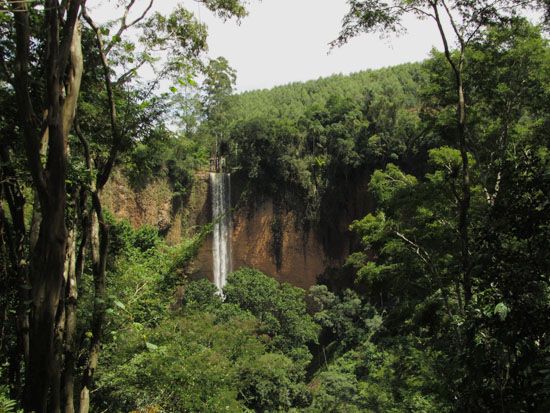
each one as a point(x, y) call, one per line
point(443, 301)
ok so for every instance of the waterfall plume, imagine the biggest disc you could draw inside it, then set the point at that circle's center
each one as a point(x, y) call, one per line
point(220, 184)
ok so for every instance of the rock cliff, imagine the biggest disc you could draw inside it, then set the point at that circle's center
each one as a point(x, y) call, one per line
point(302, 254)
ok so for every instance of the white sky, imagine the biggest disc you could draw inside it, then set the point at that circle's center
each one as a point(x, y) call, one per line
point(283, 41)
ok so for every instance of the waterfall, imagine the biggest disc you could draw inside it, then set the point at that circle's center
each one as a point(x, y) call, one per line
point(220, 184)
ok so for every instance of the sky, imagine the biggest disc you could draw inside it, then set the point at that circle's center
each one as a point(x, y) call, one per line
point(284, 41)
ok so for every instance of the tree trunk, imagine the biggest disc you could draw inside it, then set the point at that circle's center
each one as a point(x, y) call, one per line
point(463, 211)
point(100, 245)
point(464, 205)
point(48, 284)
point(48, 256)
point(73, 281)
point(68, 351)
point(36, 214)
point(18, 240)
point(464, 201)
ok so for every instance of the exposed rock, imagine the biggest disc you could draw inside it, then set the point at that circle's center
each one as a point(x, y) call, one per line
point(150, 206)
point(303, 256)
point(156, 205)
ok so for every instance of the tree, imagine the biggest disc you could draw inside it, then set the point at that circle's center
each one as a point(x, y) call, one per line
point(216, 94)
point(465, 21)
point(461, 23)
point(281, 309)
point(47, 123)
point(43, 46)
point(409, 262)
point(217, 87)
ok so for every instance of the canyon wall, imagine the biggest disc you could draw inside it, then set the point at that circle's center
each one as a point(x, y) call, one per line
point(156, 205)
point(302, 254)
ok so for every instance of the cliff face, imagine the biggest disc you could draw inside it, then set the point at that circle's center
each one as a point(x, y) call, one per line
point(156, 205)
point(151, 205)
point(302, 256)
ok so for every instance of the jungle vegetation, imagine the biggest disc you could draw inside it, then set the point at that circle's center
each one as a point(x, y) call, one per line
point(443, 305)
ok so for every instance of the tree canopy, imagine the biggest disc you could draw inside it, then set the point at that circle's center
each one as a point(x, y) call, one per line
point(442, 167)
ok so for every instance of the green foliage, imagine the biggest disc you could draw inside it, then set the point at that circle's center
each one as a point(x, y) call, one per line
point(371, 379)
point(143, 273)
point(360, 373)
point(146, 238)
point(386, 184)
point(272, 383)
point(244, 353)
point(280, 308)
point(142, 332)
point(410, 261)
point(513, 287)
point(346, 321)
point(201, 295)
point(164, 154)
point(181, 33)
point(226, 8)
point(7, 405)
point(217, 88)
point(305, 144)
point(193, 366)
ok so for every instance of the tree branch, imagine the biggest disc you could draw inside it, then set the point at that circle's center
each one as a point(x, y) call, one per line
point(453, 24)
point(423, 255)
point(85, 145)
point(124, 25)
point(68, 32)
point(127, 75)
point(103, 175)
point(444, 39)
point(27, 117)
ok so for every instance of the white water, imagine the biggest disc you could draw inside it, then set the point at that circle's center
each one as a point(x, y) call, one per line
point(220, 187)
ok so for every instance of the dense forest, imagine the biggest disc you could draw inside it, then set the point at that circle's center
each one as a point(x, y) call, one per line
point(443, 303)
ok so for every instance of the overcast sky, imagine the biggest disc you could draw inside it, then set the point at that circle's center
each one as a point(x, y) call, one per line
point(283, 41)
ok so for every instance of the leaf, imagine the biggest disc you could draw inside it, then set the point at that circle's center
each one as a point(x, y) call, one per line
point(151, 346)
point(502, 311)
point(173, 89)
point(120, 305)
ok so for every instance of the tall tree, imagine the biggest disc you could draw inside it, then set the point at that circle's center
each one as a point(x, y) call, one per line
point(459, 23)
point(49, 123)
point(185, 37)
point(42, 64)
